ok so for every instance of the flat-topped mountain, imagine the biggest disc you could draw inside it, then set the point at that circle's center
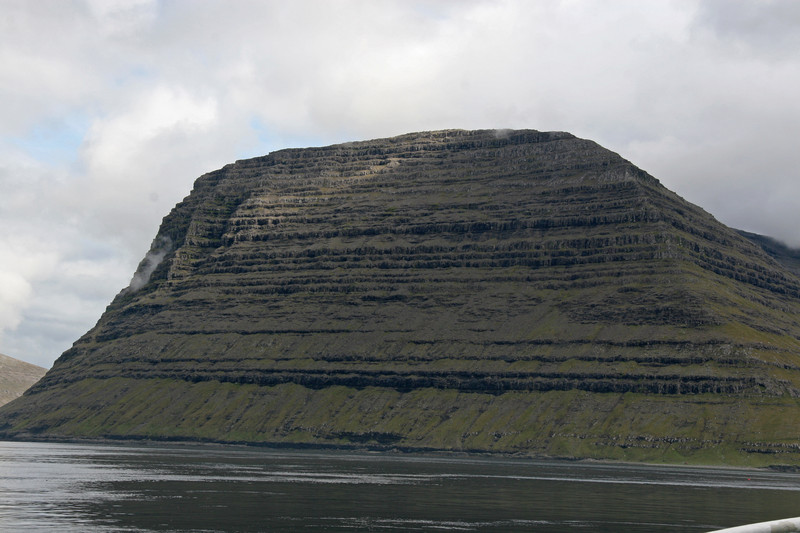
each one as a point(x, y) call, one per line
point(16, 377)
point(507, 291)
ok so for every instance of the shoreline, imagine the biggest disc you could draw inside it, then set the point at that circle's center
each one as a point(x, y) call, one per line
point(388, 451)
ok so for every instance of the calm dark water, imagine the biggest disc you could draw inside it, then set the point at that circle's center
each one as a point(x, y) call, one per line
point(73, 487)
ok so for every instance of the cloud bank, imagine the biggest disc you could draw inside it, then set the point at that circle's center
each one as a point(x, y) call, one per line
point(109, 119)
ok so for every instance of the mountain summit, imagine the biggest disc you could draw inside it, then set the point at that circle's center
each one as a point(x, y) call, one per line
point(506, 291)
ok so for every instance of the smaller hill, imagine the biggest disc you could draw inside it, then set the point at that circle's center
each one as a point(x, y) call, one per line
point(788, 257)
point(16, 377)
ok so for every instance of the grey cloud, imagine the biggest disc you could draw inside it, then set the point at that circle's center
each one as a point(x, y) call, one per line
point(760, 27)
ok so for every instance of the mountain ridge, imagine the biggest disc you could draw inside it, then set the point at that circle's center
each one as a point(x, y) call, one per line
point(515, 291)
point(16, 377)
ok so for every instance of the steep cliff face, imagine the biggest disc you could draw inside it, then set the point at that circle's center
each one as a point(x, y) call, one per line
point(502, 291)
point(16, 376)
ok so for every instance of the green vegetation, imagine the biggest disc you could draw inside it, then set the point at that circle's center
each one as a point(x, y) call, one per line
point(701, 429)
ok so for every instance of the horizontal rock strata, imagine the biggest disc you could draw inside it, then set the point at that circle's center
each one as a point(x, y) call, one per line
point(481, 274)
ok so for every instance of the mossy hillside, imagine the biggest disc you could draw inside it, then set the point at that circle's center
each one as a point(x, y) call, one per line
point(525, 293)
point(569, 424)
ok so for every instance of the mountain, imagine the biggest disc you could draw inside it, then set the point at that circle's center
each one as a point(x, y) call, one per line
point(788, 257)
point(16, 376)
point(494, 291)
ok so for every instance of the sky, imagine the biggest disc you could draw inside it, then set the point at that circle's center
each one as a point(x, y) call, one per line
point(110, 109)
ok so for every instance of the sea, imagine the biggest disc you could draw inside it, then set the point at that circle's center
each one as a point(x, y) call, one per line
point(208, 488)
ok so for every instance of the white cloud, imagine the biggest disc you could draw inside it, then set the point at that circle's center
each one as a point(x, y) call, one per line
point(123, 18)
point(15, 292)
point(22, 264)
point(125, 153)
point(114, 144)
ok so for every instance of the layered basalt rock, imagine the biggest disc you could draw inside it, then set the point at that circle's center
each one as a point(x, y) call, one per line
point(513, 291)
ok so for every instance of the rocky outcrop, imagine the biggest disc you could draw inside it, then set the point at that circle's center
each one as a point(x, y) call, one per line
point(16, 377)
point(473, 290)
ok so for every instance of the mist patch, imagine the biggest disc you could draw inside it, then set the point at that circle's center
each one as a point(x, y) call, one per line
point(161, 246)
